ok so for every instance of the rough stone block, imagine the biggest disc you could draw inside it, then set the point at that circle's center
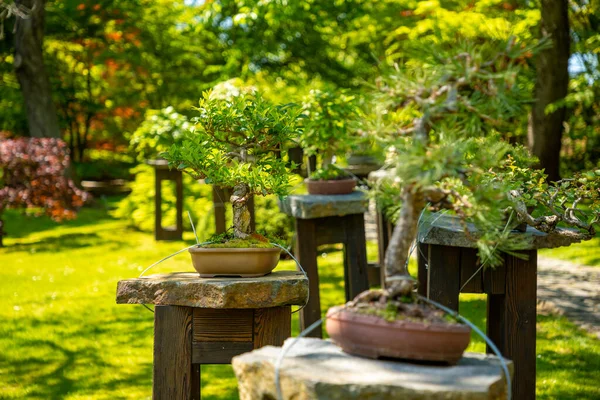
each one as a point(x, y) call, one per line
point(280, 288)
point(318, 369)
point(319, 206)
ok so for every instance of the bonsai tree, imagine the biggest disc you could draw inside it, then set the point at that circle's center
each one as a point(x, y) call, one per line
point(449, 117)
point(329, 128)
point(235, 143)
point(33, 176)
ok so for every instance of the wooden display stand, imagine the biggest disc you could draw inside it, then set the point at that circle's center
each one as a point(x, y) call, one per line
point(451, 263)
point(328, 219)
point(208, 321)
point(163, 173)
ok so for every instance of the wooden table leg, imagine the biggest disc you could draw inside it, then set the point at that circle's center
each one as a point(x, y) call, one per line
point(306, 252)
point(443, 275)
point(355, 256)
point(511, 321)
point(218, 195)
point(174, 376)
point(423, 263)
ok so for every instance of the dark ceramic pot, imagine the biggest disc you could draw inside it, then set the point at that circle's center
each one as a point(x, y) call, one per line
point(245, 263)
point(373, 337)
point(339, 186)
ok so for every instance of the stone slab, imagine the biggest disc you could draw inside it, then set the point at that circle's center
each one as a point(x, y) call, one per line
point(279, 288)
point(319, 206)
point(446, 230)
point(318, 369)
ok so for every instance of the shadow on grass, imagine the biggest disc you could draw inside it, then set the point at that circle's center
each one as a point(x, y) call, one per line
point(65, 242)
point(64, 360)
point(17, 225)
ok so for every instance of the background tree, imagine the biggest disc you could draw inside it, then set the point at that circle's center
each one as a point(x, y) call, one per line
point(29, 66)
point(552, 72)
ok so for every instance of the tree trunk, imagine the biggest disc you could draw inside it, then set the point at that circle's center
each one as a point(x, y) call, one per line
point(552, 67)
point(31, 73)
point(396, 256)
point(241, 215)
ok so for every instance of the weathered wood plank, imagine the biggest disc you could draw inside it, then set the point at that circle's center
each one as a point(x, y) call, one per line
point(513, 319)
point(355, 256)
point(470, 275)
point(494, 279)
point(423, 266)
point(172, 373)
point(306, 252)
point(272, 326)
point(218, 352)
point(443, 275)
point(223, 325)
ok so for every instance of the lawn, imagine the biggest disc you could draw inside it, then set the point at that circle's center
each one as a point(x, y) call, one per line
point(63, 337)
point(585, 253)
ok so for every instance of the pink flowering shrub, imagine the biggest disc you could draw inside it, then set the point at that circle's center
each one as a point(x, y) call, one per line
point(32, 175)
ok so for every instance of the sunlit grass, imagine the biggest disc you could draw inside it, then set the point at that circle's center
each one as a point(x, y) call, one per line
point(585, 253)
point(63, 337)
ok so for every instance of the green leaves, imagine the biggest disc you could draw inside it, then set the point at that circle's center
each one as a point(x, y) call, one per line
point(236, 140)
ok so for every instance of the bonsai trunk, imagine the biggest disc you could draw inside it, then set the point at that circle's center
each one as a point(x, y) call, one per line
point(241, 215)
point(327, 159)
point(398, 280)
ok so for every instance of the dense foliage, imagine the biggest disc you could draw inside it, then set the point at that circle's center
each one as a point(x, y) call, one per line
point(329, 128)
point(236, 141)
point(159, 130)
point(447, 116)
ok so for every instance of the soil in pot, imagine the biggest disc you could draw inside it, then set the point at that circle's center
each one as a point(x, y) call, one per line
point(235, 258)
point(402, 329)
point(334, 186)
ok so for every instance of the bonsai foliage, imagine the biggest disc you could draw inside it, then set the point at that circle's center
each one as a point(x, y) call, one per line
point(448, 115)
point(32, 175)
point(329, 126)
point(158, 132)
point(236, 143)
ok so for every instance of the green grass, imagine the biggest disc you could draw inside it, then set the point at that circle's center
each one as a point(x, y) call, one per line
point(585, 253)
point(63, 337)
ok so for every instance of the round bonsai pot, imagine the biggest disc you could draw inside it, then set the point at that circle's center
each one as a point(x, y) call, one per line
point(245, 263)
point(337, 186)
point(373, 337)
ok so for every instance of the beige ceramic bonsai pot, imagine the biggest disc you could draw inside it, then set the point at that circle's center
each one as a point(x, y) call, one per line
point(374, 337)
point(238, 262)
point(337, 186)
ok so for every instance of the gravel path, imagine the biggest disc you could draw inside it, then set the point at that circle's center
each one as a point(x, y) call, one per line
point(571, 289)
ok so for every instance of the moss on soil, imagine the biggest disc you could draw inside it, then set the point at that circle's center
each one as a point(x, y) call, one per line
point(240, 244)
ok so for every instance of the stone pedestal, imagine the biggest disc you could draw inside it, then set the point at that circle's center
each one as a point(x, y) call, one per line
point(208, 321)
point(448, 266)
point(317, 369)
point(328, 219)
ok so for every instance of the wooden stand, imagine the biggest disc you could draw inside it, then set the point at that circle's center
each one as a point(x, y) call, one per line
point(319, 220)
point(452, 267)
point(208, 321)
point(162, 173)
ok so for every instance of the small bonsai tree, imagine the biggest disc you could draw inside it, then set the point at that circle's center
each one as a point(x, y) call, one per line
point(33, 176)
point(235, 143)
point(450, 115)
point(329, 128)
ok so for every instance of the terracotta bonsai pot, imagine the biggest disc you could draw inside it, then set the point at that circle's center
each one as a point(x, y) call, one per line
point(338, 186)
point(374, 337)
point(245, 263)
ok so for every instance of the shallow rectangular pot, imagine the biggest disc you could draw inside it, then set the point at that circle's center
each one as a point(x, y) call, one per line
point(244, 262)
